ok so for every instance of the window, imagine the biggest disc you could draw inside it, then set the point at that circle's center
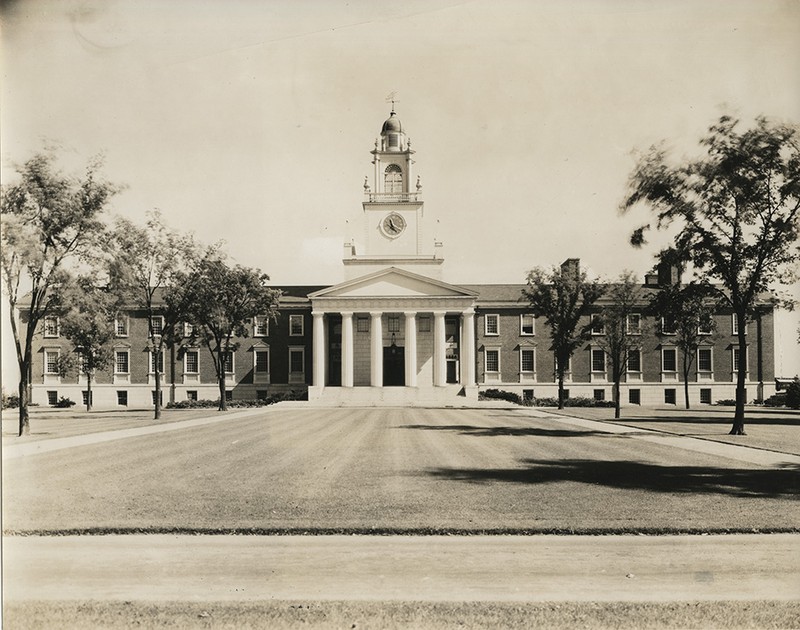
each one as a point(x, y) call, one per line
point(362, 324)
point(51, 327)
point(85, 396)
point(492, 324)
point(634, 361)
point(188, 329)
point(227, 358)
point(704, 360)
point(394, 323)
point(668, 326)
point(122, 398)
point(669, 360)
point(526, 324)
point(153, 356)
point(121, 363)
point(635, 396)
point(736, 360)
point(634, 324)
point(706, 326)
point(51, 361)
point(598, 328)
point(121, 326)
point(262, 361)
point(160, 397)
point(191, 362)
point(260, 326)
point(424, 324)
point(228, 395)
point(598, 360)
point(599, 394)
point(393, 179)
point(191, 394)
point(297, 360)
point(295, 325)
point(705, 396)
point(52, 397)
point(492, 360)
point(669, 396)
point(735, 325)
point(527, 360)
point(527, 394)
point(157, 325)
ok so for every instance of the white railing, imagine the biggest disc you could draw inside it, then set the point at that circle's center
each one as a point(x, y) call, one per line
point(392, 197)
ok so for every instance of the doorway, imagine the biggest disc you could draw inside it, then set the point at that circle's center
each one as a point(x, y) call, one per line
point(394, 361)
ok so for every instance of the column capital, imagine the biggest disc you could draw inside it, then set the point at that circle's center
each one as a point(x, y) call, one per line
point(439, 313)
point(346, 313)
point(317, 313)
point(468, 311)
point(410, 313)
point(376, 314)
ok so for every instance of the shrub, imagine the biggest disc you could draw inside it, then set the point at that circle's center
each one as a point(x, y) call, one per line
point(239, 403)
point(726, 402)
point(499, 394)
point(776, 400)
point(64, 403)
point(793, 394)
point(11, 401)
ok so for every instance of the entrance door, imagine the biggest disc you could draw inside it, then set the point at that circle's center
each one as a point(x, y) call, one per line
point(334, 350)
point(394, 373)
point(452, 371)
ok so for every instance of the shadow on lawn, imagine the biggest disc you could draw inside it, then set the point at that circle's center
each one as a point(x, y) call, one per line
point(466, 429)
point(749, 419)
point(627, 475)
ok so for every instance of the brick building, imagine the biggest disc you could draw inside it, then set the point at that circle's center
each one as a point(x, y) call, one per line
point(394, 331)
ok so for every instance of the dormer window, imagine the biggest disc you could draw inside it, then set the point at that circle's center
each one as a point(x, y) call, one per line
point(393, 179)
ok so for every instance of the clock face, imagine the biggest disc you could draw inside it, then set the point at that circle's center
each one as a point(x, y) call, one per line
point(393, 225)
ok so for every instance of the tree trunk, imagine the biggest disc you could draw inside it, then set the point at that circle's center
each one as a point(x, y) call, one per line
point(223, 403)
point(686, 369)
point(741, 377)
point(24, 420)
point(88, 391)
point(617, 410)
point(561, 390)
point(157, 402)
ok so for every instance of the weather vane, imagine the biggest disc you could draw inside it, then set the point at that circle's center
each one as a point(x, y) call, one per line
point(392, 98)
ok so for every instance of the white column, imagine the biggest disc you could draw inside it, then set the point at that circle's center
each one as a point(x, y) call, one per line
point(468, 347)
point(439, 357)
point(376, 356)
point(411, 349)
point(347, 349)
point(319, 348)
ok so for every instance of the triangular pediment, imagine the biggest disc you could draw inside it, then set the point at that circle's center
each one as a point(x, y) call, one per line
point(394, 283)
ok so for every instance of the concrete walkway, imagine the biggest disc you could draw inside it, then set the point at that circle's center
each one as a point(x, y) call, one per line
point(393, 568)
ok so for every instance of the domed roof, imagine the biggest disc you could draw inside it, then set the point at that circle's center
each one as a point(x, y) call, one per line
point(392, 124)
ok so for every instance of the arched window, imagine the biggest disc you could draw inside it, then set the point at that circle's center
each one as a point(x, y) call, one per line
point(393, 179)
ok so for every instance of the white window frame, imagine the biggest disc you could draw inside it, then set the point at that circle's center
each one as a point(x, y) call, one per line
point(188, 329)
point(734, 371)
point(522, 318)
point(127, 361)
point(706, 331)
point(705, 375)
point(47, 353)
point(186, 369)
point(492, 376)
point(297, 376)
point(232, 355)
point(151, 362)
point(597, 329)
point(735, 325)
point(494, 317)
point(669, 375)
point(160, 319)
point(46, 333)
point(664, 330)
point(591, 360)
point(567, 372)
point(294, 317)
point(125, 320)
point(629, 329)
point(527, 375)
point(256, 351)
point(261, 322)
point(628, 362)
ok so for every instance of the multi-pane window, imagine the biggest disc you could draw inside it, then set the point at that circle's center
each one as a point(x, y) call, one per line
point(362, 324)
point(704, 360)
point(705, 396)
point(598, 328)
point(262, 361)
point(51, 326)
point(191, 394)
point(599, 394)
point(296, 361)
point(227, 358)
point(424, 323)
point(160, 397)
point(393, 179)
point(492, 322)
point(527, 360)
point(261, 326)
point(669, 396)
point(735, 325)
point(634, 361)
point(191, 362)
point(122, 398)
point(121, 363)
point(157, 325)
point(668, 326)
point(669, 360)
point(121, 326)
point(635, 396)
point(228, 395)
point(526, 324)
point(160, 365)
point(295, 325)
point(394, 323)
point(737, 360)
point(492, 360)
point(634, 324)
point(706, 326)
point(51, 361)
point(598, 360)
point(52, 397)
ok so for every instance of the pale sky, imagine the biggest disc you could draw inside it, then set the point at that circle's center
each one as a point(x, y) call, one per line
point(252, 121)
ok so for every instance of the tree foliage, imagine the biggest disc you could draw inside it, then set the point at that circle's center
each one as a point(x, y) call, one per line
point(221, 302)
point(563, 297)
point(619, 338)
point(49, 221)
point(734, 211)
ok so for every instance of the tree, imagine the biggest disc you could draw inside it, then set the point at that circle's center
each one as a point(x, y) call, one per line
point(689, 310)
point(49, 221)
point(87, 321)
point(621, 334)
point(148, 265)
point(734, 211)
point(563, 296)
point(221, 302)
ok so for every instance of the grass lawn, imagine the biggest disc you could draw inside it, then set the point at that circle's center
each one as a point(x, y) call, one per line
point(394, 470)
point(388, 615)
